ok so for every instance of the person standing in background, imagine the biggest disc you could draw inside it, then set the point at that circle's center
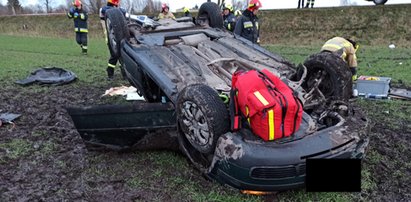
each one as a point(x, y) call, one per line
point(300, 4)
point(112, 62)
point(186, 12)
point(79, 15)
point(247, 25)
point(310, 2)
point(228, 17)
point(165, 12)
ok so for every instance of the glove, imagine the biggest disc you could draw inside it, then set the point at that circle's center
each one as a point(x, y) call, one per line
point(354, 73)
point(76, 14)
point(354, 77)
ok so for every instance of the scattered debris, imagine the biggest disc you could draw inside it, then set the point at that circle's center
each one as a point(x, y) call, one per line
point(130, 92)
point(8, 118)
point(400, 93)
point(392, 46)
point(49, 75)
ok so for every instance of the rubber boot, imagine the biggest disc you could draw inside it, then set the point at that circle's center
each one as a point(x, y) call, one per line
point(84, 51)
point(110, 73)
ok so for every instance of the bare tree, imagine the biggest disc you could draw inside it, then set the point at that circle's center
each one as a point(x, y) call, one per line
point(239, 4)
point(152, 6)
point(47, 4)
point(14, 6)
point(93, 6)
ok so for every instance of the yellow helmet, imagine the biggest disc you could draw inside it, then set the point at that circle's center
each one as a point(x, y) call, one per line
point(238, 13)
point(228, 6)
point(186, 10)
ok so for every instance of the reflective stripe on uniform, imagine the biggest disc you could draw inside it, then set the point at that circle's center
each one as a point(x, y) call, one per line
point(84, 30)
point(332, 47)
point(256, 25)
point(336, 46)
point(111, 65)
point(84, 47)
point(248, 24)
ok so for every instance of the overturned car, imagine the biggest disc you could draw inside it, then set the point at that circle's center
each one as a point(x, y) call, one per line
point(183, 69)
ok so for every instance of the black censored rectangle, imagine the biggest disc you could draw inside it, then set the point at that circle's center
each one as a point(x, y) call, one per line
point(333, 175)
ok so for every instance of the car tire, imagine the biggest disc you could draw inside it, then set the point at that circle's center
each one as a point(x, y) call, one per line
point(117, 30)
point(202, 118)
point(337, 83)
point(212, 13)
point(380, 2)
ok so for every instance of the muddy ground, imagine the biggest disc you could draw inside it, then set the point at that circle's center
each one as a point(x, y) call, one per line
point(49, 161)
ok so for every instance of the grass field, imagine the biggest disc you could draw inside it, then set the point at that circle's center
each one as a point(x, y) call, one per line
point(162, 175)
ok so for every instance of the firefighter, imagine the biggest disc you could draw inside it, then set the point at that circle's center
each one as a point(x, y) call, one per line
point(186, 12)
point(113, 60)
point(309, 2)
point(247, 25)
point(165, 12)
point(228, 17)
point(80, 24)
point(346, 48)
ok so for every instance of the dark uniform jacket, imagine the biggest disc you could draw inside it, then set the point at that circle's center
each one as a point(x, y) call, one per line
point(247, 26)
point(109, 6)
point(229, 21)
point(80, 19)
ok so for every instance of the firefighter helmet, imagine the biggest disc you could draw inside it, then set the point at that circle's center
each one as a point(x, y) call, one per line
point(238, 13)
point(77, 3)
point(186, 10)
point(228, 6)
point(114, 2)
point(164, 6)
point(254, 4)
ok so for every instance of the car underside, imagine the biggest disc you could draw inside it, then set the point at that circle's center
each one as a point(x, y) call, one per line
point(183, 69)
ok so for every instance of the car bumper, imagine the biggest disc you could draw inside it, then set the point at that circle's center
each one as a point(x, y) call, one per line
point(274, 167)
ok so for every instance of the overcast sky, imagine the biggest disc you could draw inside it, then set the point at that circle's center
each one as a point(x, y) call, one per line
point(267, 4)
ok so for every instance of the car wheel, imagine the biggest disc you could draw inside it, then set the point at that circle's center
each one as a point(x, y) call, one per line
point(212, 13)
point(334, 72)
point(117, 30)
point(380, 2)
point(202, 117)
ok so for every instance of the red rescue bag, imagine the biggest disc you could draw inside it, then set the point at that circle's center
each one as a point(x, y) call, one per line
point(268, 106)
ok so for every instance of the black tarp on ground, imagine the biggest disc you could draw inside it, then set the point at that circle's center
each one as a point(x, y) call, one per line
point(49, 75)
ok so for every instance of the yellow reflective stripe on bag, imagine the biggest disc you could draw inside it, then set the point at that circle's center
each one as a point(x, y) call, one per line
point(270, 115)
point(271, 124)
point(261, 98)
